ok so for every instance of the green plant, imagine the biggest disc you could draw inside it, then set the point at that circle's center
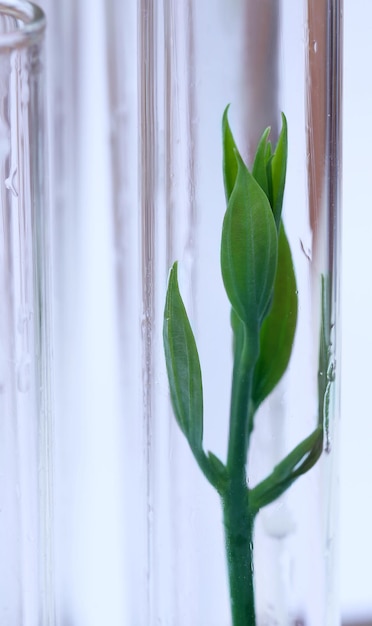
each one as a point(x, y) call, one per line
point(260, 283)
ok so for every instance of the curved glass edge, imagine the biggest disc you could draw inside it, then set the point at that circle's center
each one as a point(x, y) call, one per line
point(31, 23)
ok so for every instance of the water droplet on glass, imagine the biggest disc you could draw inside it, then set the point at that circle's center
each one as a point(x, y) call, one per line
point(306, 249)
point(24, 374)
point(331, 371)
point(278, 522)
point(315, 46)
point(11, 182)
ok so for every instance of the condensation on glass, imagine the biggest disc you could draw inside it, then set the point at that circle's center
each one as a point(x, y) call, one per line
point(25, 328)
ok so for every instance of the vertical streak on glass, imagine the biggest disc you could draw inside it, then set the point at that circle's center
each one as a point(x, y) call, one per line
point(170, 69)
point(147, 190)
point(192, 126)
point(334, 119)
point(317, 61)
point(261, 69)
point(43, 323)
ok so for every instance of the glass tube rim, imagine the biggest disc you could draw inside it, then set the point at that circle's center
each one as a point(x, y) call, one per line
point(31, 23)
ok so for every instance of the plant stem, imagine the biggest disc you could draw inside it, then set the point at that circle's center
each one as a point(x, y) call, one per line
point(245, 357)
point(238, 519)
point(238, 524)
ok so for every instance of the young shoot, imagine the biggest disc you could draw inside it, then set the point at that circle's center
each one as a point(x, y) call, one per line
point(260, 283)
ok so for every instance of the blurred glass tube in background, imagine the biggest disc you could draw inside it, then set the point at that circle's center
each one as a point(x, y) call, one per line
point(26, 562)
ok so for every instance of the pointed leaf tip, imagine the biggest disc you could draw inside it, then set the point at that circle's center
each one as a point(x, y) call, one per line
point(278, 170)
point(230, 152)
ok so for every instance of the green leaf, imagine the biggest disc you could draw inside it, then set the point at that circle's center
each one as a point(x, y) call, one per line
point(249, 249)
point(278, 328)
point(183, 366)
point(277, 168)
point(230, 152)
point(296, 463)
point(263, 155)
